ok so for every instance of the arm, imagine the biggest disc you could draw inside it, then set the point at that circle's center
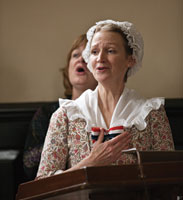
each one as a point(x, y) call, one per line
point(54, 157)
point(55, 150)
point(161, 131)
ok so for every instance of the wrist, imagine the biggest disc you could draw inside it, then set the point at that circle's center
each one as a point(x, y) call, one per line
point(87, 162)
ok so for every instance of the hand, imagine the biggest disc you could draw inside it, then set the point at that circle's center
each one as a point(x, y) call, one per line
point(109, 151)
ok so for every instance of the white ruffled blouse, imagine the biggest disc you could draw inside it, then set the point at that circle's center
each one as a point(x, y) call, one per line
point(130, 110)
point(69, 138)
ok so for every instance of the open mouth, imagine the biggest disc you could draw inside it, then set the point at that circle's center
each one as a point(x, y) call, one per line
point(80, 69)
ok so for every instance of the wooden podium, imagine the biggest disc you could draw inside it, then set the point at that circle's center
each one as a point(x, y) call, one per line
point(157, 176)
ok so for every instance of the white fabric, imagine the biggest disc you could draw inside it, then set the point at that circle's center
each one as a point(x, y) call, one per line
point(130, 110)
point(135, 41)
point(58, 172)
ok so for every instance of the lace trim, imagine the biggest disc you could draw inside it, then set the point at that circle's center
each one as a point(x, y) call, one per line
point(135, 41)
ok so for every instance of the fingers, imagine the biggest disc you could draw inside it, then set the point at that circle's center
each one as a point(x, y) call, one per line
point(121, 142)
point(124, 142)
point(122, 137)
point(101, 136)
point(121, 145)
point(104, 153)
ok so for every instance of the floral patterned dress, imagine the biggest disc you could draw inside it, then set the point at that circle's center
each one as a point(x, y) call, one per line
point(68, 141)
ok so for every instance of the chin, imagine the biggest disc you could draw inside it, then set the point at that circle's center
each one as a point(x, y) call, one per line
point(81, 82)
point(101, 79)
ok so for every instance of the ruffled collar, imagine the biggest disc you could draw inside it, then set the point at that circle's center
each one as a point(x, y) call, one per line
point(130, 110)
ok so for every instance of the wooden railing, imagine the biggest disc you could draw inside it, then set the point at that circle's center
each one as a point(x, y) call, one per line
point(157, 175)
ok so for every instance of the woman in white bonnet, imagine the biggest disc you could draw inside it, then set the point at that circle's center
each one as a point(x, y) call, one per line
point(96, 128)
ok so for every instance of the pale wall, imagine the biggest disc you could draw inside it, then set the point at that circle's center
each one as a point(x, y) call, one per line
point(35, 36)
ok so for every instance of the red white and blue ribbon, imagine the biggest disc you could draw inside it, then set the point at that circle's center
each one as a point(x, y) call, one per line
point(108, 134)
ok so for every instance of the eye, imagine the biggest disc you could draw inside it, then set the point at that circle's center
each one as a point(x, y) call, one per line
point(75, 55)
point(94, 51)
point(111, 51)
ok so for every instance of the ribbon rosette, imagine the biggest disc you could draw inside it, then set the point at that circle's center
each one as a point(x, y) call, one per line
point(108, 134)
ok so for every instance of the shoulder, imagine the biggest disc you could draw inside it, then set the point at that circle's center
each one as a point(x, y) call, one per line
point(59, 114)
point(79, 108)
point(139, 109)
point(155, 109)
point(158, 114)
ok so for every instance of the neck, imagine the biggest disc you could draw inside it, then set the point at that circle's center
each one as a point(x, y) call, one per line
point(107, 100)
point(110, 95)
point(77, 93)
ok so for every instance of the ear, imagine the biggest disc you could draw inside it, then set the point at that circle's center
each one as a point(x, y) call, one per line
point(131, 61)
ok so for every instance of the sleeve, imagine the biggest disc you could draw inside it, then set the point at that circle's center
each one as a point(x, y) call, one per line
point(162, 139)
point(55, 149)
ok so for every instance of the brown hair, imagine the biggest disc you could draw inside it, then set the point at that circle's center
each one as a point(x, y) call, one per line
point(80, 40)
point(116, 29)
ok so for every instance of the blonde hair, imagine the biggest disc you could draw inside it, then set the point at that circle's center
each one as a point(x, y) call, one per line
point(116, 29)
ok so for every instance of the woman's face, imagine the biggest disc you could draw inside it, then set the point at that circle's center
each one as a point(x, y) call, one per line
point(79, 75)
point(108, 57)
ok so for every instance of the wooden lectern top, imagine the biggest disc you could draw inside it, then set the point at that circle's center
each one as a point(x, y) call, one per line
point(156, 173)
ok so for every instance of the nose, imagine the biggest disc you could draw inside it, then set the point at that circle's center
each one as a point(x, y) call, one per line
point(101, 56)
point(81, 59)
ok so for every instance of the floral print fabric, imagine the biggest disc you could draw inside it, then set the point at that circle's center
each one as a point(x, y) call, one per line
point(67, 142)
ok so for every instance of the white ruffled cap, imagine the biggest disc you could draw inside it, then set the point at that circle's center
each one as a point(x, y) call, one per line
point(135, 41)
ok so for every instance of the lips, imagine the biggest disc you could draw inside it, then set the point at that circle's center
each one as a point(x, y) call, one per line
point(80, 70)
point(101, 68)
